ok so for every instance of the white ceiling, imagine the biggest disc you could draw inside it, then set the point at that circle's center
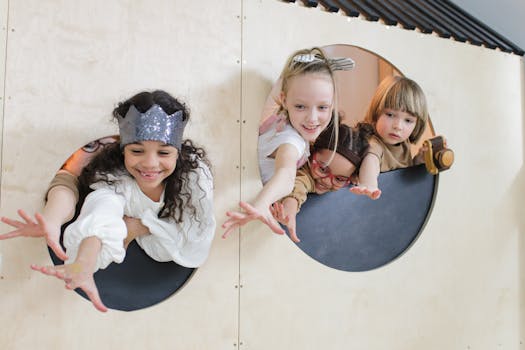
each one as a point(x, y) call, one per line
point(503, 16)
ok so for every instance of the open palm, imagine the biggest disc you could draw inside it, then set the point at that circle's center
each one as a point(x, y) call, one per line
point(37, 227)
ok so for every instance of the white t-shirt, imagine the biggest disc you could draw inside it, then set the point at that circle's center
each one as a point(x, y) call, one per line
point(187, 243)
point(271, 139)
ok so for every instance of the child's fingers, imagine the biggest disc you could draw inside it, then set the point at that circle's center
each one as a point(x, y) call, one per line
point(248, 207)
point(11, 234)
point(274, 226)
point(95, 299)
point(228, 230)
point(229, 225)
point(282, 216)
point(11, 222)
point(293, 234)
point(235, 215)
point(26, 217)
point(277, 211)
point(356, 190)
point(57, 249)
point(40, 220)
point(57, 271)
point(375, 194)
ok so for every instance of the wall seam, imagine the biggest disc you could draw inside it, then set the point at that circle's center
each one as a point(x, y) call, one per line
point(2, 121)
point(241, 167)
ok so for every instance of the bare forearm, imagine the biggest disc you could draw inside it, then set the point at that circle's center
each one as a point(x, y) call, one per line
point(280, 185)
point(88, 252)
point(60, 205)
point(369, 171)
point(291, 206)
point(135, 229)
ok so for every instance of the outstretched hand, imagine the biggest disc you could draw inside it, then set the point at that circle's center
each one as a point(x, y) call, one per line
point(75, 276)
point(365, 191)
point(279, 213)
point(250, 213)
point(37, 227)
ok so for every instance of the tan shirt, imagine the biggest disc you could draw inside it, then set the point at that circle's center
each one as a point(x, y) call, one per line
point(304, 184)
point(65, 178)
point(391, 156)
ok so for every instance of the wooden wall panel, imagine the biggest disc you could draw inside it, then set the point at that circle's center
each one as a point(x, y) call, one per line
point(68, 64)
point(466, 263)
point(459, 286)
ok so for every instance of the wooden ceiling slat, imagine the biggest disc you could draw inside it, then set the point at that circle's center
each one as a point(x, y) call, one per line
point(455, 33)
point(386, 14)
point(384, 6)
point(309, 3)
point(347, 8)
point(438, 16)
point(366, 11)
point(489, 37)
point(413, 16)
point(424, 16)
point(329, 5)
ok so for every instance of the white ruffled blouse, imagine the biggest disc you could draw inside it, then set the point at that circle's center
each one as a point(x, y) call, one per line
point(186, 243)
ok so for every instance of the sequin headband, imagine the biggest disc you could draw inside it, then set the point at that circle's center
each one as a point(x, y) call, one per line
point(335, 63)
point(153, 125)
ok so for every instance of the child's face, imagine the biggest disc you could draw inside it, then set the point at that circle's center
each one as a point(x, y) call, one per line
point(150, 163)
point(332, 177)
point(309, 103)
point(395, 126)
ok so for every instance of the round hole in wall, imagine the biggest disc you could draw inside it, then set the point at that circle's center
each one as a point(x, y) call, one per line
point(353, 233)
point(139, 281)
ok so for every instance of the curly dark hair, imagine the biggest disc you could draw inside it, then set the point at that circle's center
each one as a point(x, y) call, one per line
point(110, 161)
point(352, 143)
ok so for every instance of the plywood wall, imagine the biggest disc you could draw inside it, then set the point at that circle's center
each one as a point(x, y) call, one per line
point(458, 287)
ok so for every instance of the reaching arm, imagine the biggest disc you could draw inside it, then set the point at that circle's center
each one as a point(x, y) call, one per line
point(101, 216)
point(282, 181)
point(279, 185)
point(59, 209)
point(285, 212)
point(79, 274)
point(368, 173)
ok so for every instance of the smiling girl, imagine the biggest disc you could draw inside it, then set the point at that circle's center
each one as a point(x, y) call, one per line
point(320, 175)
point(150, 186)
point(306, 106)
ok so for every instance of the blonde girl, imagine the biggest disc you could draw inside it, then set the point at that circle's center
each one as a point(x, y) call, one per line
point(398, 112)
point(306, 106)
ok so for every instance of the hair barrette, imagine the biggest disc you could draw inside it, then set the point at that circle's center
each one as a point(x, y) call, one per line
point(335, 63)
point(341, 63)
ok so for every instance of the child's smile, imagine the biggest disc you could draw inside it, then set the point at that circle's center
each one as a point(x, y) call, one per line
point(309, 102)
point(150, 163)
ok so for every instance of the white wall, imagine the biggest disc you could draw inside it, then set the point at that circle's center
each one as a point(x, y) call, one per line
point(459, 287)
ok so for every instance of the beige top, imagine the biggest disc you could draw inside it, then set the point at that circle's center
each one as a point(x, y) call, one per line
point(391, 156)
point(65, 178)
point(304, 184)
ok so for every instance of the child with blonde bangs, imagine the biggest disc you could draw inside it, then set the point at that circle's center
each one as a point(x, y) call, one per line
point(306, 106)
point(398, 112)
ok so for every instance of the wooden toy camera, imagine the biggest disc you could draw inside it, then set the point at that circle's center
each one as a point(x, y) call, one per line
point(438, 157)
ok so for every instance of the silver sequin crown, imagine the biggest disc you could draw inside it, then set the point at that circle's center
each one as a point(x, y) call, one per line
point(153, 125)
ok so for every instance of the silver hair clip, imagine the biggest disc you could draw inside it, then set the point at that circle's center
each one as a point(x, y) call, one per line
point(153, 125)
point(335, 63)
point(305, 58)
